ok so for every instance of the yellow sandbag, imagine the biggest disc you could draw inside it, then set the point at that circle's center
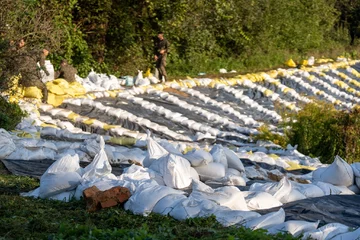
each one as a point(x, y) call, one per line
point(32, 92)
point(55, 88)
point(311, 77)
point(268, 93)
point(89, 121)
point(286, 90)
point(112, 94)
point(351, 90)
point(107, 127)
point(73, 116)
point(124, 141)
point(61, 82)
point(296, 166)
point(337, 102)
point(290, 63)
point(273, 73)
point(304, 62)
point(274, 156)
point(76, 89)
point(291, 107)
point(48, 125)
point(54, 99)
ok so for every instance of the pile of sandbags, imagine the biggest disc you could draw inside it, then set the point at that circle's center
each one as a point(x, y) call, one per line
point(60, 89)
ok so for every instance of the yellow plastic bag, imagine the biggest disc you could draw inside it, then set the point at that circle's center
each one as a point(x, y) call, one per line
point(32, 92)
point(296, 166)
point(290, 63)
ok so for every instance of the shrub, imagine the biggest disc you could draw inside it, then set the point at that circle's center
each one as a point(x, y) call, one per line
point(10, 114)
point(320, 130)
point(267, 135)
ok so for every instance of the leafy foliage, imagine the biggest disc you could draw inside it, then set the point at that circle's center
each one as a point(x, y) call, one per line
point(117, 36)
point(10, 114)
point(320, 130)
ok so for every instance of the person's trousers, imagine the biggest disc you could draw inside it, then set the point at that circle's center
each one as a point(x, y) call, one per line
point(160, 66)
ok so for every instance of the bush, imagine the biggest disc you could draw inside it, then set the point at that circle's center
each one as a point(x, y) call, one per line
point(10, 114)
point(267, 135)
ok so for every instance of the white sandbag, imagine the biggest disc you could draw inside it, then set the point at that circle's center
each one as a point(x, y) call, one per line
point(294, 227)
point(357, 181)
point(339, 173)
point(169, 147)
point(146, 196)
point(194, 174)
point(329, 231)
point(165, 205)
point(219, 155)
point(330, 189)
point(64, 196)
point(135, 172)
point(229, 180)
point(55, 183)
point(234, 201)
point(142, 82)
point(211, 171)
point(100, 166)
point(287, 193)
point(271, 187)
point(155, 150)
point(266, 221)
point(348, 236)
point(91, 147)
point(260, 200)
point(174, 169)
point(232, 171)
point(7, 145)
point(356, 169)
point(308, 190)
point(193, 207)
point(253, 173)
point(231, 217)
point(67, 163)
point(233, 160)
point(63, 175)
point(198, 157)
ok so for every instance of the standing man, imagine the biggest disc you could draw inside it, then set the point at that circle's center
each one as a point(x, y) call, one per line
point(161, 51)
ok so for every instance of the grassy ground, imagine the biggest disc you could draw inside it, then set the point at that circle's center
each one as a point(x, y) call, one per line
point(27, 218)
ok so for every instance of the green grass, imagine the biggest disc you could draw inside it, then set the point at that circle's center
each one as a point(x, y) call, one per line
point(28, 218)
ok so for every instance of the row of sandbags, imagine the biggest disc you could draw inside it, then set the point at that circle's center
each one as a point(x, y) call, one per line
point(151, 192)
point(64, 143)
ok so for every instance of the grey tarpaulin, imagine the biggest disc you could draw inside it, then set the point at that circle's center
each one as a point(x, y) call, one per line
point(343, 209)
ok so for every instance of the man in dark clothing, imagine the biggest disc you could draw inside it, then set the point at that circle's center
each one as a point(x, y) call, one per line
point(29, 70)
point(66, 71)
point(161, 51)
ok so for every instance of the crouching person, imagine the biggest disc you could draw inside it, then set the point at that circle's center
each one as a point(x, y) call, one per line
point(66, 72)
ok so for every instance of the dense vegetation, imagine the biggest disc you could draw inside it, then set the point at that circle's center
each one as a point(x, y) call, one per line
point(27, 218)
point(117, 35)
point(321, 131)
